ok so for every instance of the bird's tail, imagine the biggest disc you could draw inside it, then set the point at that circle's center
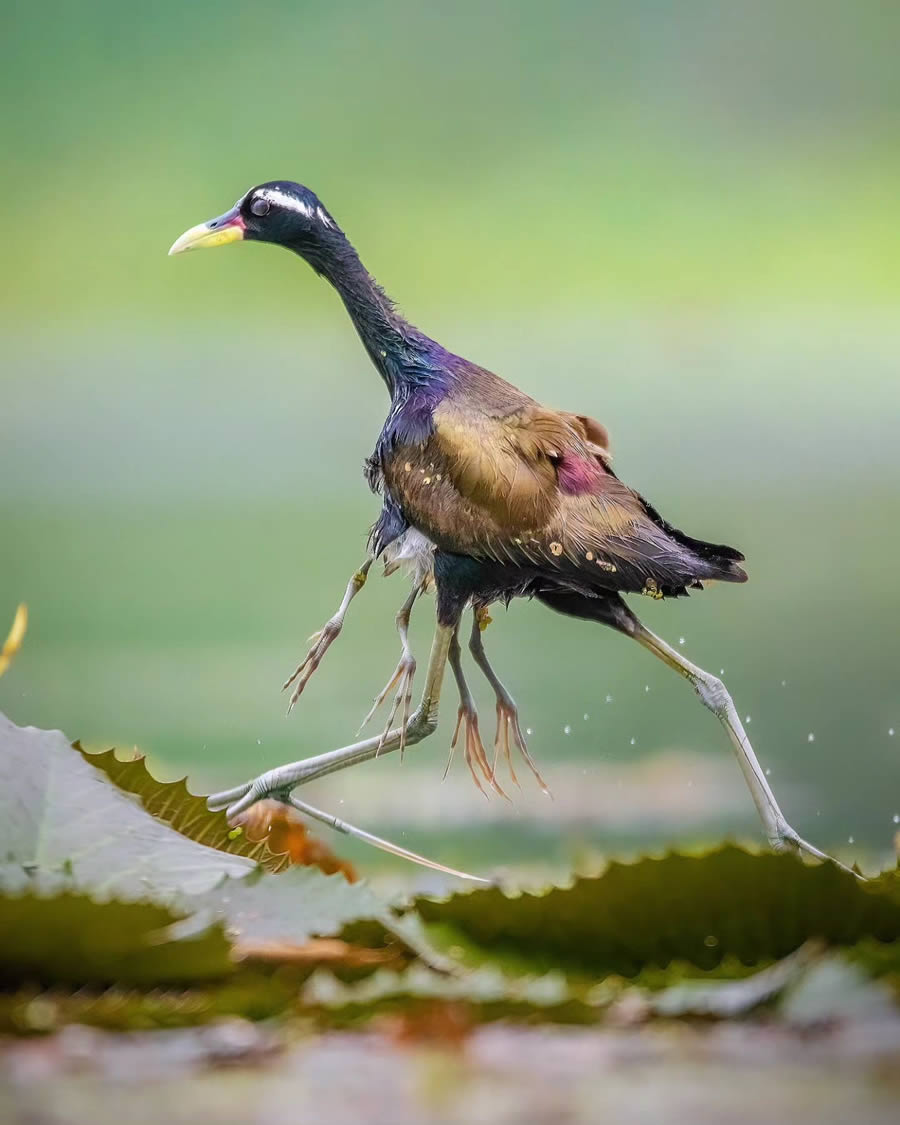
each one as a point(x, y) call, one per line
point(719, 562)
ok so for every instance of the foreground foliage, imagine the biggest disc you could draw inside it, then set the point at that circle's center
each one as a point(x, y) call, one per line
point(124, 902)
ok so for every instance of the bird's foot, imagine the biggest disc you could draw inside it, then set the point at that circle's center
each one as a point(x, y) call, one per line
point(475, 754)
point(319, 644)
point(785, 839)
point(508, 724)
point(402, 680)
point(270, 784)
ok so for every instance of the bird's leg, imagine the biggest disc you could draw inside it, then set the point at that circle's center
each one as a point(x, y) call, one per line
point(714, 696)
point(280, 781)
point(403, 675)
point(467, 716)
point(507, 712)
point(320, 642)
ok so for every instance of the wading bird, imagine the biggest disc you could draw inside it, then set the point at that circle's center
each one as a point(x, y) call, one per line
point(491, 496)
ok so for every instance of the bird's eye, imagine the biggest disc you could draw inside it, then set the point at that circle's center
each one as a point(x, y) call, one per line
point(260, 207)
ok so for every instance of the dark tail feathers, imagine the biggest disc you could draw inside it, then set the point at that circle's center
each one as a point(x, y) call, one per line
point(722, 560)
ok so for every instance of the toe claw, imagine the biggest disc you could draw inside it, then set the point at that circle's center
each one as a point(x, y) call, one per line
point(402, 680)
point(508, 721)
point(319, 644)
point(215, 802)
point(474, 752)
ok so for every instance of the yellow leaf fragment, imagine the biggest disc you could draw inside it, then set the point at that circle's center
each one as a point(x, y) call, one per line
point(14, 641)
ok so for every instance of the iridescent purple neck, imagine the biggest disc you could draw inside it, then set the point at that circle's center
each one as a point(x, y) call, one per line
point(403, 356)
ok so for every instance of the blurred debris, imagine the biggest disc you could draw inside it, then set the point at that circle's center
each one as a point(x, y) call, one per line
point(319, 952)
point(445, 1023)
point(78, 1049)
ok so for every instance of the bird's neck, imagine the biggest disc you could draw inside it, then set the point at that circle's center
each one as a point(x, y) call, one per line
point(403, 356)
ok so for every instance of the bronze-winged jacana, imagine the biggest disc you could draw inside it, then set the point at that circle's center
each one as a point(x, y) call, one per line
point(494, 497)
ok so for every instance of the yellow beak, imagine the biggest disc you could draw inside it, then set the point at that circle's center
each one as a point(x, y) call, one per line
point(217, 232)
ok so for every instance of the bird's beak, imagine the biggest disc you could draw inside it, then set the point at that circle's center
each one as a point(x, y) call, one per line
point(217, 232)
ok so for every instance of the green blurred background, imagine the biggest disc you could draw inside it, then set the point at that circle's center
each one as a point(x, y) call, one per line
point(681, 219)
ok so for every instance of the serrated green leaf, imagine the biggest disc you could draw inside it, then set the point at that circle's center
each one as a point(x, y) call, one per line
point(60, 936)
point(699, 909)
point(173, 803)
point(63, 816)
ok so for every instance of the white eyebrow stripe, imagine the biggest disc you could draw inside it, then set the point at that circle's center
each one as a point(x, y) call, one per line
point(291, 202)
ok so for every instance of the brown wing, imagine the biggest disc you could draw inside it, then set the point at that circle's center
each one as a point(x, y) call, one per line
point(534, 488)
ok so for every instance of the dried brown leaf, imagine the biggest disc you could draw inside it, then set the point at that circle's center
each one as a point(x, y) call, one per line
point(14, 640)
point(285, 833)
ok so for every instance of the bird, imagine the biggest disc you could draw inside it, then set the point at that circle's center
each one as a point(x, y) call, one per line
point(493, 496)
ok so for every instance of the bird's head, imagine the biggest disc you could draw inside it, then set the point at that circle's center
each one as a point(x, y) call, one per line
point(282, 212)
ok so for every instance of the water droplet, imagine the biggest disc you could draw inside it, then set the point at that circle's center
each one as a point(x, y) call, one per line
point(710, 941)
point(567, 729)
point(810, 737)
point(746, 718)
point(891, 732)
point(769, 771)
point(896, 818)
point(721, 671)
point(609, 699)
point(784, 683)
point(646, 687)
point(633, 741)
point(259, 742)
point(529, 730)
point(850, 840)
point(681, 640)
point(586, 716)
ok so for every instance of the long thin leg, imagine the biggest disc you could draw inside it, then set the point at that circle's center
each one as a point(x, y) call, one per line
point(281, 780)
point(507, 712)
point(403, 675)
point(714, 695)
point(321, 641)
point(467, 716)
